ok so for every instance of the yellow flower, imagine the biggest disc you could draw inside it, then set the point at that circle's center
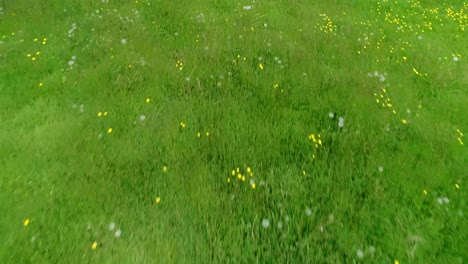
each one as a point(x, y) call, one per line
point(207, 134)
point(105, 113)
point(158, 199)
point(457, 186)
point(233, 172)
point(182, 124)
point(40, 84)
point(425, 192)
point(26, 222)
point(165, 169)
point(261, 66)
point(99, 114)
point(148, 100)
point(228, 179)
point(253, 185)
point(239, 176)
point(303, 172)
point(94, 245)
point(198, 135)
point(243, 178)
point(404, 121)
point(109, 130)
point(249, 169)
point(397, 262)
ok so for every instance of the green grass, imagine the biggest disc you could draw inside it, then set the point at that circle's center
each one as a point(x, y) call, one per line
point(375, 185)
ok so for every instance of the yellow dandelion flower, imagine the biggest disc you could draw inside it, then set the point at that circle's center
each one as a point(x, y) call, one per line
point(99, 114)
point(165, 169)
point(251, 174)
point(394, 112)
point(109, 130)
point(457, 186)
point(253, 186)
point(249, 169)
point(158, 199)
point(33, 58)
point(105, 113)
point(261, 66)
point(303, 172)
point(198, 135)
point(233, 173)
point(207, 134)
point(237, 170)
point(425, 192)
point(29, 55)
point(94, 245)
point(182, 124)
point(37, 53)
point(26, 222)
point(239, 176)
point(404, 121)
point(148, 100)
point(243, 178)
point(228, 180)
point(397, 262)
point(35, 40)
point(40, 84)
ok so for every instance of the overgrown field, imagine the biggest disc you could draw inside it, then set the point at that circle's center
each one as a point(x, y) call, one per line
point(218, 131)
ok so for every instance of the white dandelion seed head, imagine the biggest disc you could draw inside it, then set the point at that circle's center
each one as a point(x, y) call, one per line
point(265, 223)
point(440, 200)
point(252, 181)
point(265, 24)
point(176, 34)
point(218, 84)
point(376, 73)
point(331, 114)
point(118, 233)
point(280, 225)
point(382, 78)
point(247, 7)
point(420, 37)
point(111, 226)
point(446, 200)
point(372, 250)
point(308, 211)
point(360, 253)
point(286, 218)
point(142, 118)
point(70, 63)
point(455, 58)
point(187, 79)
point(380, 168)
point(123, 41)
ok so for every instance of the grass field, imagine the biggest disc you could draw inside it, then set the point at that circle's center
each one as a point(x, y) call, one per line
point(221, 131)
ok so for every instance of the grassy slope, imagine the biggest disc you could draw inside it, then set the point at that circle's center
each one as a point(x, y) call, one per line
point(57, 172)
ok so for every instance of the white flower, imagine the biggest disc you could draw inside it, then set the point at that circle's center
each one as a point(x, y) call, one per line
point(265, 24)
point(455, 58)
point(124, 41)
point(331, 114)
point(380, 169)
point(265, 223)
point(70, 63)
point(419, 37)
point(111, 226)
point(247, 7)
point(341, 122)
point(142, 118)
point(118, 233)
point(73, 57)
point(308, 211)
point(382, 78)
point(372, 250)
point(446, 200)
point(360, 253)
point(440, 201)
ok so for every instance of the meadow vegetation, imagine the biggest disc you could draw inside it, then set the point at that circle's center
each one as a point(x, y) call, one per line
point(280, 131)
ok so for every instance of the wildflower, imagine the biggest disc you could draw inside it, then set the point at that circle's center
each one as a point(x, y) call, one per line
point(341, 122)
point(94, 245)
point(165, 169)
point(228, 179)
point(457, 186)
point(261, 66)
point(123, 41)
point(105, 113)
point(142, 118)
point(158, 199)
point(397, 262)
point(404, 121)
point(455, 58)
point(233, 172)
point(249, 170)
point(109, 130)
point(331, 114)
point(26, 222)
point(148, 100)
point(425, 192)
point(247, 7)
point(182, 124)
point(118, 233)
point(253, 186)
point(198, 135)
point(207, 134)
point(308, 211)
point(99, 114)
point(40, 84)
point(265, 223)
point(380, 169)
point(360, 253)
